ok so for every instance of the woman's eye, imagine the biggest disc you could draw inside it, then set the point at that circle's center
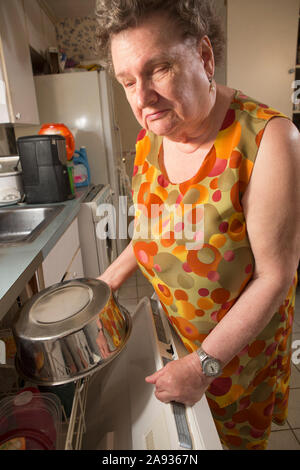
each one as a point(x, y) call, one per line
point(161, 69)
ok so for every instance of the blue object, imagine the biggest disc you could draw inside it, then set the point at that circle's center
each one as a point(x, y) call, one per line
point(85, 170)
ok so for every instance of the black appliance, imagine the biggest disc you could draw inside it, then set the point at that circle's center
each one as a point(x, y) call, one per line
point(44, 168)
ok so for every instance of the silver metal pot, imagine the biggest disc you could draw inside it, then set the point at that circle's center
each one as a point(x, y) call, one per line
point(11, 185)
point(68, 331)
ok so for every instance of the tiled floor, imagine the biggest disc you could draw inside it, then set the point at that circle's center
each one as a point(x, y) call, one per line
point(286, 437)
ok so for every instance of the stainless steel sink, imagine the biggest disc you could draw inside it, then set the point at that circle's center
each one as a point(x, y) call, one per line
point(23, 224)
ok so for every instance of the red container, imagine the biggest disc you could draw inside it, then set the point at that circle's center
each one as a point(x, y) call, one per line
point(31, 415)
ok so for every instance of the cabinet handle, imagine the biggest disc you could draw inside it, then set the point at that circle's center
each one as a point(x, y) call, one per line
point(18, 116)
point(291, 71)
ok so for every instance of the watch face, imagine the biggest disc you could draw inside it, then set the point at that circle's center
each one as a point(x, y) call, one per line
point(211, 367)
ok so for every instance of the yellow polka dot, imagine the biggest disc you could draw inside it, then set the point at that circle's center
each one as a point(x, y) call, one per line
point(186, 309)
point(218, 240)
point(161, 192)
point(249, 106)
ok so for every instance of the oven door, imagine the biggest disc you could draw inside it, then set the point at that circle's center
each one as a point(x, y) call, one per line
point(122, 410)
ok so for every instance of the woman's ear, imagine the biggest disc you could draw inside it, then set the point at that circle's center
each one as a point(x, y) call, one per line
point(207, 55)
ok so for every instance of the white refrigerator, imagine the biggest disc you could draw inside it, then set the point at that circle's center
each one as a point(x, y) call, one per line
point(83, 101)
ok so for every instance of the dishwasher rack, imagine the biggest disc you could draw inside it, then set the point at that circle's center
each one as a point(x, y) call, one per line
point(72, 428)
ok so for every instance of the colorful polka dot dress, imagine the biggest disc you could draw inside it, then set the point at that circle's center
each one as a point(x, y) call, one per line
point(191, 243)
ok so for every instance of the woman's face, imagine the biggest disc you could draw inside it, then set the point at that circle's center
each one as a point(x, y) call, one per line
point(164, 76)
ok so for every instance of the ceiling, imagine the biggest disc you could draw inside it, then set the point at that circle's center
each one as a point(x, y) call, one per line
point(71, 8)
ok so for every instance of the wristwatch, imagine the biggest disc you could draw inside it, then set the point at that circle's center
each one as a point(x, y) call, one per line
point(211, 367)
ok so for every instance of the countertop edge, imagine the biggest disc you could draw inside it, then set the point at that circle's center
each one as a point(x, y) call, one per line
point(39, 250)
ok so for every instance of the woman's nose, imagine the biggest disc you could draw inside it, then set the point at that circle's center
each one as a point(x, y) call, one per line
point(145, 95)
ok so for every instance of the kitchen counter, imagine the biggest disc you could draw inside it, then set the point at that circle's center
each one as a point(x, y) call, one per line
point(18, 263)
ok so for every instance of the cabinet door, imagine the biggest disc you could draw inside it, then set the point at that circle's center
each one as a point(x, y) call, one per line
point(75, 270)
point(60, 257)
point(16, 64)
point(262, 42)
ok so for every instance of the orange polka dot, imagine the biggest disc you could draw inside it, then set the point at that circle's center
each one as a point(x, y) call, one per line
point(150, 174)
point(256, 348)
point(180, 295)
point(145, 167)
point(231, 367)
point(214, 183)
point(199, 313)
point(205, 304)
point(245, 170)
point(186, 328)
point(142, 150)
point(220, 296)
point(235, 159)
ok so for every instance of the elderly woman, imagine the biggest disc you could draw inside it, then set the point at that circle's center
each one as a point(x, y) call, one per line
point(217, 220)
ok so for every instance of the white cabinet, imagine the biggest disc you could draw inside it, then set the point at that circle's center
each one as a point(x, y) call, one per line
point(16, 65)
point(261, 49)
point(75, 270)
point(64, 260)
point(40, 30)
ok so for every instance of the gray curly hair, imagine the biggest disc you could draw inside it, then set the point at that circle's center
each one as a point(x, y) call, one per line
point(196, 18)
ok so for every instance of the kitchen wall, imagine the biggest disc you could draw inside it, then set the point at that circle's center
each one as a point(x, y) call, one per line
point(76, 36)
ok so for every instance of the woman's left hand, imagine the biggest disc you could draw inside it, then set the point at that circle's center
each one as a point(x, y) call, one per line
point(181, 381)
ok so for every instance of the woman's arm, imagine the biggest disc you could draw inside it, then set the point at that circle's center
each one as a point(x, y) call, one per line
point(272, 210)
point(122, 268)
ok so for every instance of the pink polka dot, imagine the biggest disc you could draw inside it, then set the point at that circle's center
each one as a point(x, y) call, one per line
point(203, 292)
point(213, 276)
point(188, 330)
point(161, 288)
point(162, 181)
point(141, 135)
point(178, 200)
point(157, 268)
point(179, 227)
point(245, 403)
point(229, 425)
point(187, 268)
point(270, 349)
point(229, 255)
point(226, 305)
point(143, 257)
point(219, 167)
point(199, 236)
point(223, 227)
point(216, 197)
point(248, 269)
point(220, 386)
point(135, 170)
point(257, 433)
point(214, 315)
point(268, 411)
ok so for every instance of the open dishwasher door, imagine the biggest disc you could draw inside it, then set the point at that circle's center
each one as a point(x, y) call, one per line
point(122, 411)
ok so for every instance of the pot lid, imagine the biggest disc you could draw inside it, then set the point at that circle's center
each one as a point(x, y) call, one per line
point(62, 309)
